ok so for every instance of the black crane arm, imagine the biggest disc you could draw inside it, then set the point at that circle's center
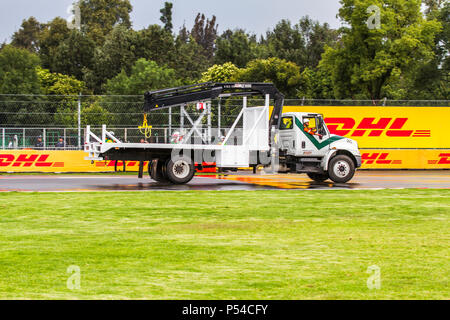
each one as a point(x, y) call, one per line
point(167, 98)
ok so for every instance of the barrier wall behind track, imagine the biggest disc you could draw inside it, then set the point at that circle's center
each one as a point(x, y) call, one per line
point(57, 161)
point(73, 161)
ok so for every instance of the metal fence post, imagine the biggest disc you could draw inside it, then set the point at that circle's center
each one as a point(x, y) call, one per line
point(45, 138)
point(3, 138)
point(65, 138)
point(170, 119)
point(79, 121)
point(209, 133)
point(182, 120)
point(23, 138)
point(219, 107)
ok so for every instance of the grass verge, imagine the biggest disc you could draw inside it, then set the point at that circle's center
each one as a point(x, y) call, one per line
point(226, 245)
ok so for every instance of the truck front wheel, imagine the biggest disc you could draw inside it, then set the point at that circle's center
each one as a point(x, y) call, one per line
point(341, 169)
point(180, 170)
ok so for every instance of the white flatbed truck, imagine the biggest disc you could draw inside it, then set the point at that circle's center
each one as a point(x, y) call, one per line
point(283, 143)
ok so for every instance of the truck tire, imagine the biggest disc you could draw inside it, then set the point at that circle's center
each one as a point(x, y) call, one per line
point(180, 170)
point(341, 169)
point(317, 177)
point(157, 171)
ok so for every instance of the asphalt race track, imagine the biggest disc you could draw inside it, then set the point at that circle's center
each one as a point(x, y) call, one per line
point(237, 181)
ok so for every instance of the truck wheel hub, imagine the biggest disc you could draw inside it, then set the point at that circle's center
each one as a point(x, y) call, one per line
point(180, 169)
point(342, 169)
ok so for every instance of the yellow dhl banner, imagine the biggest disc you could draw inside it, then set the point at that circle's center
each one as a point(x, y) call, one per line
point(57, 161)
point(73, 161)
point(405, 159)
point(388, 127)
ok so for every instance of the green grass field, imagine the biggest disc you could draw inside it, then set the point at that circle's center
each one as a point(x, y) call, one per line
point(226, 245)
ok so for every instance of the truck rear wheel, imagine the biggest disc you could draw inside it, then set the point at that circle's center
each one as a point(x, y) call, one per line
point(317, 177)
point(180, 170)
point(157, 171)
point(341, 169)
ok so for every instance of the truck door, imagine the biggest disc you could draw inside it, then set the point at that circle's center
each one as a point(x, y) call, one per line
point(315, 136)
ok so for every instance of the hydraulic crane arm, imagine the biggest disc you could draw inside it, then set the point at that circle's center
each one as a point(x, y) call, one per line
point(162, 99)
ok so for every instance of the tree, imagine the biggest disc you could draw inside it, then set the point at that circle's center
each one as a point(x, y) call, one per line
point(190, 61)
point(18, 76)
point(433, 5)
point(284, 74)
point(237, 47)
point(99, 17)
point(302, 43)
point(155, 43)
point(145, 75)
point(27, 37)
point(116, 54)
point(432, 80)
point(74, 55)
point(367, 59)
point(166, 16)
point(315, 84)
point(18, 71)
point(316, 36)
point(59, 84)
point(286, 42)
point(220, 73)
point(204, 33)
point(52, 35)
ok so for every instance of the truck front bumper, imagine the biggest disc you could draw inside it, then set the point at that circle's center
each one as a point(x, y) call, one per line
point(358, 161)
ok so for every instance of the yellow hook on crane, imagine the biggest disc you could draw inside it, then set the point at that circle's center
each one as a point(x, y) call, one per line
point(145, 129)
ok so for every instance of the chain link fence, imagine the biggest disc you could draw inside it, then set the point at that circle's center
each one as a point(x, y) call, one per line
point(58, 122)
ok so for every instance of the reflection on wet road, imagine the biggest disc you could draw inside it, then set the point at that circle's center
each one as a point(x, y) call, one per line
point(238, 181)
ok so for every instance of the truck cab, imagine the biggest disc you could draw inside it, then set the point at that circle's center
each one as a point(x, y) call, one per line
point(307, 146)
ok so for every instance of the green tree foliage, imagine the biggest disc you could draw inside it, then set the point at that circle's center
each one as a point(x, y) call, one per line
point(190, 61)
point(316, 36)
point(27, 37)
point(302, 43)
point(116, 54)
point(432, 80)
point(99, 17)
point(369, 59)
point(237, 47)
point(18, 71)
point(204, 33)
point(145, 75)
point(64, 91)
point(59, 84)
point(74, 55)
point(220, 73)
point(53, 34)
point(315, 84)
point(284, 74)
point(286, 42)
point(155, 43)
point(166, 16)
point(95, 114)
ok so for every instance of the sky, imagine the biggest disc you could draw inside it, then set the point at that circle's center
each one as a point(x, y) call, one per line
point(255, 16)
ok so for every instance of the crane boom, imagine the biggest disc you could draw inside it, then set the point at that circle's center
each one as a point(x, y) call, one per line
point(162, 99)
